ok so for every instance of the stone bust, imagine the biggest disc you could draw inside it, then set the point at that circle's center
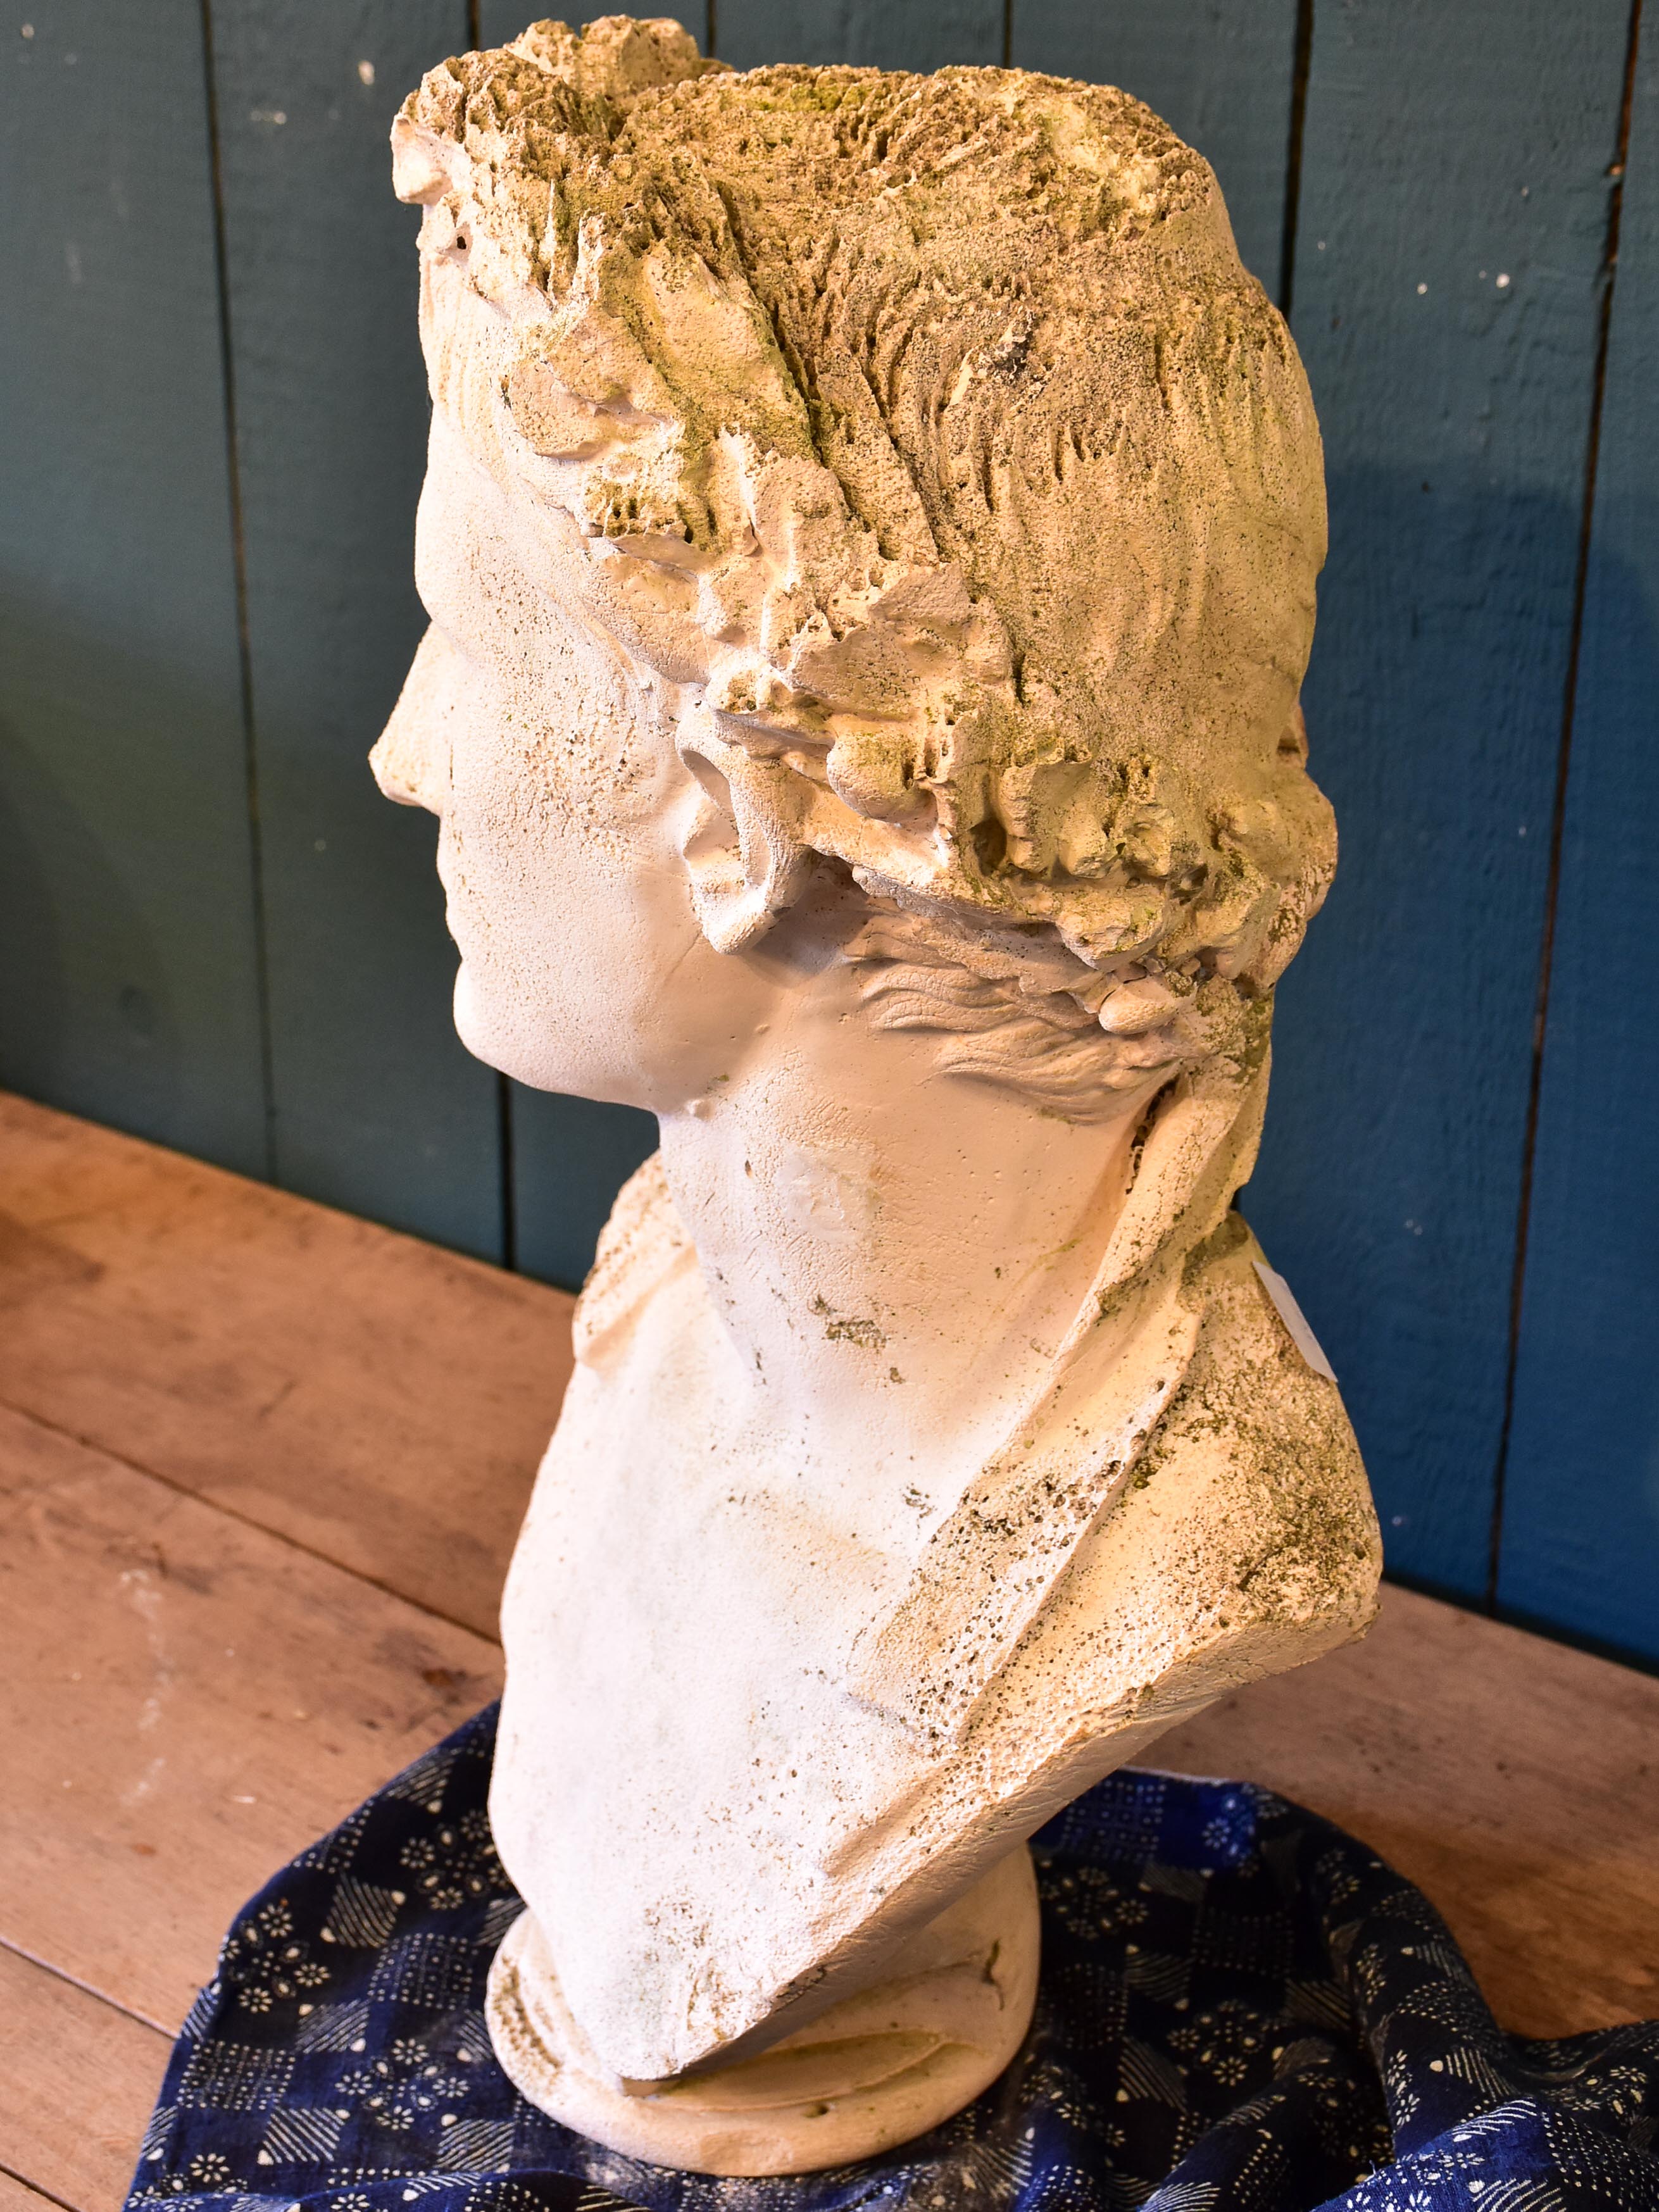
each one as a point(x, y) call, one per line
point(870, 538)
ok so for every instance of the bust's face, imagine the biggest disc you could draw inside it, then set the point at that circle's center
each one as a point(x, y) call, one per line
point(548, 757)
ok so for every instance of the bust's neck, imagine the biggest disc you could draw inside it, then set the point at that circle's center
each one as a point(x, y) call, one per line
point(895, 1252)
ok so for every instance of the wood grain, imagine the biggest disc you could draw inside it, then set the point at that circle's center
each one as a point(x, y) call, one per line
point(1581, 1501)
point(1454, 202)
point(382, 1402)
point(1220, 72)
point(1516, 1782)
point(218, 1700)
point(129, 986)
point(216, 1697)
point(375, 1104)
point(77, 2080)
point(17, 2196)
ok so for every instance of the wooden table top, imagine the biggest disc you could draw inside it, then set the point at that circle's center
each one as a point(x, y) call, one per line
point(261, 1465)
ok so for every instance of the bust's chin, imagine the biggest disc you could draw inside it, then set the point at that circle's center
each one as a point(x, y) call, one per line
point(475, 1024)
point(547, 1056)
point(487, 1029)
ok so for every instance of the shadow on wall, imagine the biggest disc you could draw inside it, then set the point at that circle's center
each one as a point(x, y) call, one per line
point(128, 987)
point(1390, 1187)
point(1581, 1522)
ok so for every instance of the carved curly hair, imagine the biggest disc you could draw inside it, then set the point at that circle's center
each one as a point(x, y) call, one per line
point(930, 431)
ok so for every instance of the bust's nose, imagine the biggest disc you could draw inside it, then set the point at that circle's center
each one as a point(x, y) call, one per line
point(410, 758)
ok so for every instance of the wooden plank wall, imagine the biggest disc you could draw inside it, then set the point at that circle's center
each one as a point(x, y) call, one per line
point(1449, 245)
point(211, 458)
point(374, 1105)
point(1581, 1492)
point(129, 959)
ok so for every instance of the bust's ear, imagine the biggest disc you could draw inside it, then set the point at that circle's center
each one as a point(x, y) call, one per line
point(744, 858)
point(420, 158)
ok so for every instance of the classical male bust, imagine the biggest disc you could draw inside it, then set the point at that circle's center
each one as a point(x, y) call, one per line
point(870, 538)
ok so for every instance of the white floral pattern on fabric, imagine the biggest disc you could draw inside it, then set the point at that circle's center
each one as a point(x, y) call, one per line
point(1242, 2010)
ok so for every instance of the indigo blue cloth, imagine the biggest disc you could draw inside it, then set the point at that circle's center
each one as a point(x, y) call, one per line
point(1242, 2010)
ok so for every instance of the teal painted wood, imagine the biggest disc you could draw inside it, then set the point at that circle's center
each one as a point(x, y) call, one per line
point(1454, 202)
point(129, 987)
point(570, 1157)
point(893, 34)
point(1580, 1547)
point(1441, 144)
point(1219, 72)
point(377, 1107)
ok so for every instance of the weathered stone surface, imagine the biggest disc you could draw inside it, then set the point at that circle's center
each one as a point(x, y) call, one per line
point(870, 536)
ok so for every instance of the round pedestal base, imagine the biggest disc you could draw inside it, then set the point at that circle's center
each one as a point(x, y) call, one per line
point(874, 2071)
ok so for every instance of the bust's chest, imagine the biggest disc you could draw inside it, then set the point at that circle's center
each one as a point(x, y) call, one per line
point(676, 1571)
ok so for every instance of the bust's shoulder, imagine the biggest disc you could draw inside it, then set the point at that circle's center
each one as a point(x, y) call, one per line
point(1259, 1443)
point(1257, 1366)
point(642, 1243)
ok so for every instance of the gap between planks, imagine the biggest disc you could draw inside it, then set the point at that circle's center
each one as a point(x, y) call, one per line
point(376, 1400)
point(16, 2195)
point(80, 2079)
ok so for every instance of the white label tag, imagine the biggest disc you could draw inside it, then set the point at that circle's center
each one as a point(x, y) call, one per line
point(1294, 1319)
